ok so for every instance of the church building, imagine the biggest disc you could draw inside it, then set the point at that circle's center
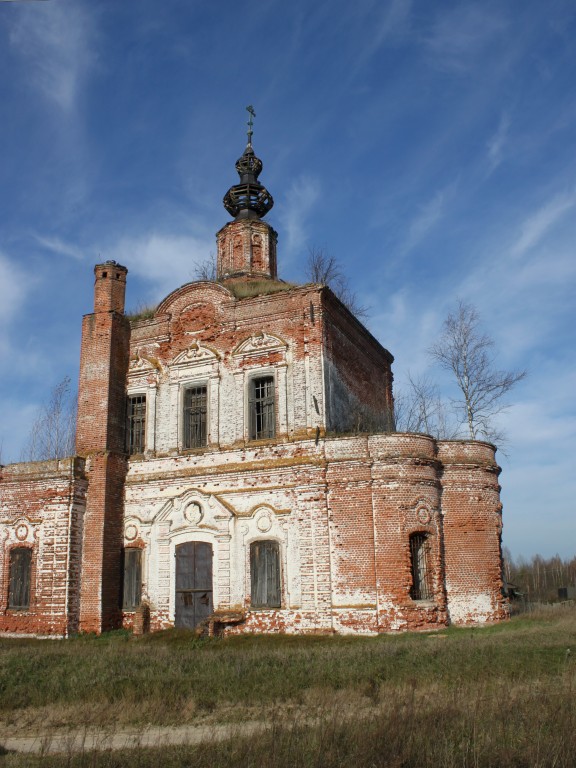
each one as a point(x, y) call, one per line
point(238, 470)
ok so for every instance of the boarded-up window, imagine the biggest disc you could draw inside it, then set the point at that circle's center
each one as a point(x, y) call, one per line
point(20, 570)
point(132, 592)
point(195, 412)
point(261, 407)
point(421, 588)
point(136, 428)
point(265, 574)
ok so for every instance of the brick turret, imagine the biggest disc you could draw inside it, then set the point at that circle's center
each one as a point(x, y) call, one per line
point(472, 521)
point(100, 438)
point(246, 248)
point(247, 245)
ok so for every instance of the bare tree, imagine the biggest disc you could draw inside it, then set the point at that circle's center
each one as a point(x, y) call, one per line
point(52, 435)
point(323, 268)
point(468, 353)
point(419, 408)
point(206, 270)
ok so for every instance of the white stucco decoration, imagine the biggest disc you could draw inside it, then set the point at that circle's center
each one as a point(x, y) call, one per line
point(196, 354)
point(258, 343)
point(194, 509)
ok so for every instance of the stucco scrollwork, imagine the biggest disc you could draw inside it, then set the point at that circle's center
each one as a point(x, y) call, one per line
point(143, 360)
point(423, 515)
point(134, 529)
point(22, 531)
point(131, 532)
point(194, 509)
point(260, 342)
point(193, 513)
point(196, 353)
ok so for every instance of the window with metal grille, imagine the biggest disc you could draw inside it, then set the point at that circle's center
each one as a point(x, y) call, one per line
point(195, 413)
point(20, 571)
point(421, 588)
point(261, 407)
point(136, 437)
point(132, 591)
point(265, 574)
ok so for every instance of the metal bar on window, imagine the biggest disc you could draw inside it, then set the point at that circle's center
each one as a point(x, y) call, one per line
point(195, 417)
point(136, 424)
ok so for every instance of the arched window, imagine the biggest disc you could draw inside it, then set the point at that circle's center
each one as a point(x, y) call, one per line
point(421, 588)
point(20, 572)
point(265, 574)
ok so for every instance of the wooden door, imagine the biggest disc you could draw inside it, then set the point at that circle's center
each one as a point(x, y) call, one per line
point(193, 583)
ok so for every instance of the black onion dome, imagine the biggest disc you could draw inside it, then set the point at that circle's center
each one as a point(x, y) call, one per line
point(248, 199)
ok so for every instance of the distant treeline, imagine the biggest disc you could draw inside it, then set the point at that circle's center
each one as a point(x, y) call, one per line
point(538, 579)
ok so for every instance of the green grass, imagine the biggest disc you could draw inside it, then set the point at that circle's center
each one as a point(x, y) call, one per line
point(495, 696)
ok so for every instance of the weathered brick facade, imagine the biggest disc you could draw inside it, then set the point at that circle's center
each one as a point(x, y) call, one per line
point(42, 508)
point(240, 469)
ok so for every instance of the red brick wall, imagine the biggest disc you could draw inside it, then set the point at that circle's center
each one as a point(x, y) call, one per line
point(103, 540)
point(42, 507)
point(101, 438)
point(246, 247)
point(358, 373)
point(472, 529)
point(348, 507)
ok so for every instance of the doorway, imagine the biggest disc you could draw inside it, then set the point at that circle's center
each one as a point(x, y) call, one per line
point(193, 583)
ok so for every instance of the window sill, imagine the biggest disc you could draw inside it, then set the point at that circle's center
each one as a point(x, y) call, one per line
point(19, 611)
point(193, 451)
point(262, 441)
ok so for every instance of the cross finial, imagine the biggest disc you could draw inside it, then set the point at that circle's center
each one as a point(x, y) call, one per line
point(250, 110)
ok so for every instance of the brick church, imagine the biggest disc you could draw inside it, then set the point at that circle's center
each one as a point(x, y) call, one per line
point(237, 468)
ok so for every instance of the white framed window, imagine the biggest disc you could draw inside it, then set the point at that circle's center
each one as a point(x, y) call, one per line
point(132, 587)
point(136, 424)
point(20, 578)
point(195, 416)
point(261, 407)
point(421, 588)
point(265, 584)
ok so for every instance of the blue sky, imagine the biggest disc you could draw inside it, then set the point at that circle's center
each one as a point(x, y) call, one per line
point(429, 145)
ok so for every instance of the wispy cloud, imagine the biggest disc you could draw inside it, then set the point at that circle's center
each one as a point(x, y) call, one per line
point(533, 422)
point(56, 245)
point(407, 328)
point(393, 22)
point(496, 143)
point(297, 208)
point(13, 284)
point(428, 216)
point(16, 419)
point(463, 33)
point(538, 223)
point(165, 260)
point(56, 42)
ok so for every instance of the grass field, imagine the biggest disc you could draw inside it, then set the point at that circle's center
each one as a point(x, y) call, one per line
point(494, 696)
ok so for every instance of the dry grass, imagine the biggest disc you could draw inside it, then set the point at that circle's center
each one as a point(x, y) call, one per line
point(142, 311)
point(500, 696)
point(245, 290)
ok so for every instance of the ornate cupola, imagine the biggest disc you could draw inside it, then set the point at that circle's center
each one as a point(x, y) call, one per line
point(247, 245)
